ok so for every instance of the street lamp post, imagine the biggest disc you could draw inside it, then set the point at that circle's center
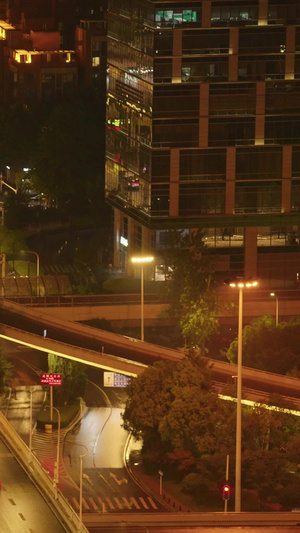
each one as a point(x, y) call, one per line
point(160, 472)
point(276, 307)
point(141, 261)
point(81, 482)
point(37, 268)
point(31, 391)
point(241, 285)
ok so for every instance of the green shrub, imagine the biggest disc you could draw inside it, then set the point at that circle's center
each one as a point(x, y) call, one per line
point(67, 414)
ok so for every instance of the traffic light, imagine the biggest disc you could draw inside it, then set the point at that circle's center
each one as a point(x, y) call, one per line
point(226, 492)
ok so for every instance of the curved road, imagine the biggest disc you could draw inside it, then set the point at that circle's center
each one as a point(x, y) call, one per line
point(93, 339)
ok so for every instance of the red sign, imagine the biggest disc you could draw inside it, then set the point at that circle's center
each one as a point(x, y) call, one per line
point(51, 379)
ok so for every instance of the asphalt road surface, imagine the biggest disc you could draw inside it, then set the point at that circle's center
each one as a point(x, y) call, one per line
point(21, 504)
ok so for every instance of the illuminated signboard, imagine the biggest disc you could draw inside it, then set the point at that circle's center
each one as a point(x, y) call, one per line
point(51, 379)
point(124, 241)
point(112, 379)
point(133, 184)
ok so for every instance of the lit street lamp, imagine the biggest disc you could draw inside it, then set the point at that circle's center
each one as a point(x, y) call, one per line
point(31, 391)
point(276, 307)
point(141, 261)
point(240, 284)
point(81, 481)
point(37, 268)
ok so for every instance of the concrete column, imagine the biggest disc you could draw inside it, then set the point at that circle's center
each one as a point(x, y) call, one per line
point(177, 56)
point(230, 180)
point(263, 13)
point(260, 113)
point(206, 13)
point(204, 100)
point(290, 43)
point(174, 182)
point(250, 252)
point(286, 179)
point(117, 235)
point(233, 61)
point(203, 114)
point(233, 54)
point(131, 249)
point(234, 41)
point(289, 67)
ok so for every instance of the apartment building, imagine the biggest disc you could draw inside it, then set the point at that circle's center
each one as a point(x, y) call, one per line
point(203, 130)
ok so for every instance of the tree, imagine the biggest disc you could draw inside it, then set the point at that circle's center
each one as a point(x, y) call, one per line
point(74, 379)
point(17, 211)
point(269, 347)
point(68, 165)
point(174, 409)
point(265, 472)
point(188, 430)
point(190, 284)
point(6, 371)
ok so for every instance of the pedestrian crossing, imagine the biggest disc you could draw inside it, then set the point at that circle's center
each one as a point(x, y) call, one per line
point(114, 504)
point(44, 446)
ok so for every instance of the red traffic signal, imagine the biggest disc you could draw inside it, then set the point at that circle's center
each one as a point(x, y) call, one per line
point(226, 492)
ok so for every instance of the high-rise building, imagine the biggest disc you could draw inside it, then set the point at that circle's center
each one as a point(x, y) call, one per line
point(203, 129)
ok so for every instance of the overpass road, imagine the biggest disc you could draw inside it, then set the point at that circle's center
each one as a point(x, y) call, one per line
point(111, 351)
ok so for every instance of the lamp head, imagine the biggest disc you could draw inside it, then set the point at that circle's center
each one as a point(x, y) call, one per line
point(142, 259)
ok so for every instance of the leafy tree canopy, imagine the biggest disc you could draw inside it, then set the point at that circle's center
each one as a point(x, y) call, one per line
point(74, 379)
point(6, 371)
point(190, 285)
point(269, 347)
point(188, 430)
point(175, 403)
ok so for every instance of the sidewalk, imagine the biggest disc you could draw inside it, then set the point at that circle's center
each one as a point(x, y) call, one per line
point(153, 485)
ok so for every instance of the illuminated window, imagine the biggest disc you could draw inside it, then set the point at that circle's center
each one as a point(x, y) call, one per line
point(95, 61)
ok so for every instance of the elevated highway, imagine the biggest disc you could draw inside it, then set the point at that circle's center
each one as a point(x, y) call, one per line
point(190, 520)
point(124, 309)
point(110, 351)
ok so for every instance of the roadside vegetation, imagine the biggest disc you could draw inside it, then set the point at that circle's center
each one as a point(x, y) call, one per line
point(187, 432)
point(66, 397)
point(6, 371)
point(270, 347)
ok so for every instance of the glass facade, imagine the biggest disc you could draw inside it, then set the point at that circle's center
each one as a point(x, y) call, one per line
point(203, 111)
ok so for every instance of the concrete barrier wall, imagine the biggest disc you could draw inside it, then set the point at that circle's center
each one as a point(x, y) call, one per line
point(157, 314)
point(224, 368)
point(40, 478)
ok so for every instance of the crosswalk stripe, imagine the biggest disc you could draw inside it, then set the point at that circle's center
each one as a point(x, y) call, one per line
point(118, 503)
point(74, 500)
point(126, 502)
point(101, 502)
point(93, 504)
point(85, 505)
point(135, 503)
point(110, 503)
point(143, 503)
point(152, 503)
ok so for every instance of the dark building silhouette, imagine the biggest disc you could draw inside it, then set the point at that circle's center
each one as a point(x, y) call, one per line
point(203, 130)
